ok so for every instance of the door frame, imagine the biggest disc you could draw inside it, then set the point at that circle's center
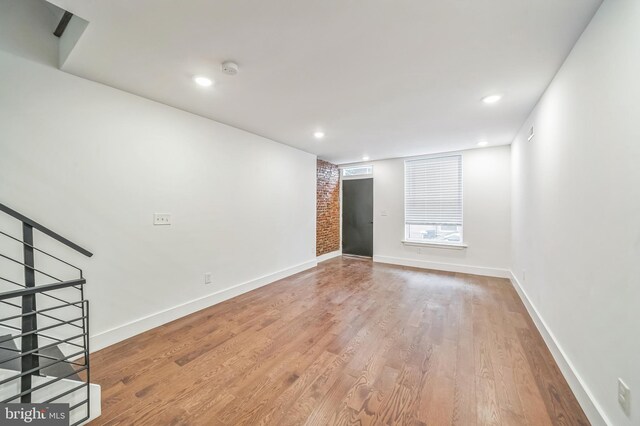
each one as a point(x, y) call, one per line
point(364, 176)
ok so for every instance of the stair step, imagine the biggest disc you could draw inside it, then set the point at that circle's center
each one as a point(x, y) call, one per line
point(60, 369)
point(6, 352)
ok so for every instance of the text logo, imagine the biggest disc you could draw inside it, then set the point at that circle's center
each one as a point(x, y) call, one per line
point(34, 414)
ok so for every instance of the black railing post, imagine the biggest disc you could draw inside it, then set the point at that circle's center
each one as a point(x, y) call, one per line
point(29, 322)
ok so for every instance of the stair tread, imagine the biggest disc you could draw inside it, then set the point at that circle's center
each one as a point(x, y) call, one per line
point(8, 350)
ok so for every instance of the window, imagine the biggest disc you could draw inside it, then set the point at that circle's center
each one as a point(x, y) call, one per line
point(433, 200)
point(357, 172)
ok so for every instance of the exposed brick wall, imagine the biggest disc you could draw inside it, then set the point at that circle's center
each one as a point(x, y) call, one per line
point(328, 208)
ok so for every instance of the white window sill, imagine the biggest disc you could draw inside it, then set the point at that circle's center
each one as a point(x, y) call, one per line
point(454, 246)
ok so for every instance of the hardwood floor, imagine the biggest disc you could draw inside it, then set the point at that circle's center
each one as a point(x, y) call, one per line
point(347, 343)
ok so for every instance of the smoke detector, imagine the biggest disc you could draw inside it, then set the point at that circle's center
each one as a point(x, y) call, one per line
point(230, 68)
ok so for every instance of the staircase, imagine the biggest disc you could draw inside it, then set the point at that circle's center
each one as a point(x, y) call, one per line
point(44, 319)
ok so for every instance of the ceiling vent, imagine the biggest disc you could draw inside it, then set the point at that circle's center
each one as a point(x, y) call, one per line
point(230, 68)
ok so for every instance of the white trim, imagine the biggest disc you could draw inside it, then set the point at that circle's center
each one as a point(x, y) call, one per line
point(448, 267)
point(130, 329)
point(592, 409)
point(95, 399)
point(451, 246)
point(328, 256)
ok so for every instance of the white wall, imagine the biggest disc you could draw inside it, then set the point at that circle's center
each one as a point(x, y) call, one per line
point(95, 163)
point(576, 210)
point(486, 188)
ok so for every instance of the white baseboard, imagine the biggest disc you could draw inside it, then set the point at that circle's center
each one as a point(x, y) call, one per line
point(585, 398)
point(448, 267)
point(130, 329)
point(328, 256)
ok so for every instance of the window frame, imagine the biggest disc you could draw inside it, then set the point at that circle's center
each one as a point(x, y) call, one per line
point(436, 244)
point(361, 176)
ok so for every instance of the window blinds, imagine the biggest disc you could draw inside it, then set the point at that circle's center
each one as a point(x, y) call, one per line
point(433, 191)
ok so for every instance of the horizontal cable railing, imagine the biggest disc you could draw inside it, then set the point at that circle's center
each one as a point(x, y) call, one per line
point(58, 370)
point(44, 327)
point(42, 251)
point(35, 225)
point(42, 289)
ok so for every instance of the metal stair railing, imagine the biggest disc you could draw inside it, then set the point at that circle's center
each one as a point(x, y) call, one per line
point(44, 370)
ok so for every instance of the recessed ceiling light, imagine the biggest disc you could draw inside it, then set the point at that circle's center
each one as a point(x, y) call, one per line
point(202, 81)
point(318, 135)
point(483, 143)
point(491, 99)
point(365, 158)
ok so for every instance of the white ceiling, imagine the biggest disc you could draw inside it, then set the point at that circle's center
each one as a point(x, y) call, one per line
point(385, 78)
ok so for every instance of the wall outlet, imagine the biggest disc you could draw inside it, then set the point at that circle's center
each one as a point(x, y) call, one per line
point(384, 213)
point(624, 397)
point(524, 275)
point(162, 219)
point(207, 277)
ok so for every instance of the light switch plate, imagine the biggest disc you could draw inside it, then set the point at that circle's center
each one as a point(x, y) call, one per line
point(207, 277)
point(624, 397)
point(162, 219)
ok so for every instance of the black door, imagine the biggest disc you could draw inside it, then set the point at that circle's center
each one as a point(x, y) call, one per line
point(357, 217)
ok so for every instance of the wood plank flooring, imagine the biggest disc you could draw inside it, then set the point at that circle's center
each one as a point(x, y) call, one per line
point(347, 343)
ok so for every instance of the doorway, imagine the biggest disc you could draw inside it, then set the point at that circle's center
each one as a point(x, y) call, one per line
point(357, 217)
